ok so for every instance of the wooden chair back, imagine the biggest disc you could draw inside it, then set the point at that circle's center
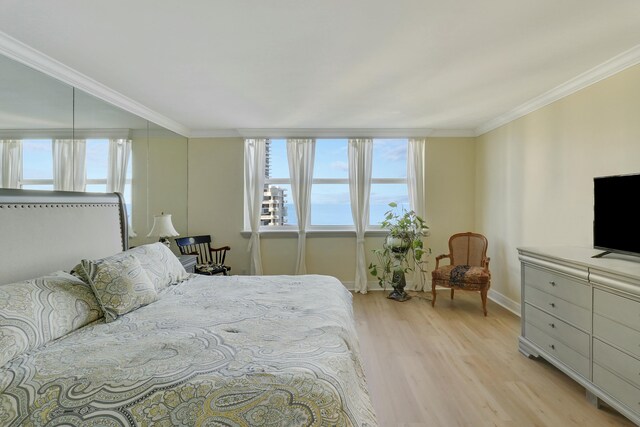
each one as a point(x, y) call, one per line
point(197, 245)
point(468, 249)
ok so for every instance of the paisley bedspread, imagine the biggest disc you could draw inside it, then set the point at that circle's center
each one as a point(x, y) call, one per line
point(213, 351)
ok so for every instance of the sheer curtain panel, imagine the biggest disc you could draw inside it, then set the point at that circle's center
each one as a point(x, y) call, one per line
point(416, 151)
point(300, 155)
point(360, 153)
point(119, 154)
point(10, 163)
point(254, 175)
point(69, 172)
point(118, 162)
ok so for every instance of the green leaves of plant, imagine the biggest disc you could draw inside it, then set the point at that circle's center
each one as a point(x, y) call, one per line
point(404, 225)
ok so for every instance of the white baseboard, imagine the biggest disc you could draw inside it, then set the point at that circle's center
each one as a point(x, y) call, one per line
point(505, 302)
point(371, 286)
point(494, 296)
point(374, 286)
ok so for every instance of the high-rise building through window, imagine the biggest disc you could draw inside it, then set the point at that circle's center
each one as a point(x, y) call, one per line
point(274, 210)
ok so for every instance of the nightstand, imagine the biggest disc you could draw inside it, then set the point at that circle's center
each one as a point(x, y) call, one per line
point(188, 262)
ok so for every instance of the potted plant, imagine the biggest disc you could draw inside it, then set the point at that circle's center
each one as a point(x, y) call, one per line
point(402, 250)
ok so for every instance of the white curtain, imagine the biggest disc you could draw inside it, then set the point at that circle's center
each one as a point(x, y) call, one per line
point(118, 162)
point(416, 184)
point(119, 153)
point(360, 157)
point(254, 176)
point(10, 163)
point(300, 154)
point(69, 172)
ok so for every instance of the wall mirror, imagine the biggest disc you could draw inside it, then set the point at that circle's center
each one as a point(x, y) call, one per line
point(37, 109)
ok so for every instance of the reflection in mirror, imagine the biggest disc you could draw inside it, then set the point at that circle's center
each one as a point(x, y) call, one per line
point(53, 136)
point(166, 189)
point(108, 134)
point(35, 111)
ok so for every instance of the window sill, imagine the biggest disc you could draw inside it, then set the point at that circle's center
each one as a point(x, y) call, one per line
point(317, 231)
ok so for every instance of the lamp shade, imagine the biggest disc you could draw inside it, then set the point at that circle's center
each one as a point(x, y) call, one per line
point(162, 226)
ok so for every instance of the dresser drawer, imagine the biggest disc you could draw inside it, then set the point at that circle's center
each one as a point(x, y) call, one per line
point(615, 307)
point(557, 349)
point(556, 328)
point(561, 286)
point(618, 388)
point(615, 333)
point(562, 309)
point(616, 361)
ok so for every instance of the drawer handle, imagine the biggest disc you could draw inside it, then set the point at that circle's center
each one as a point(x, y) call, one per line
point(552, 304)
point(552, 283)
point(553, 347)
point(552, 325)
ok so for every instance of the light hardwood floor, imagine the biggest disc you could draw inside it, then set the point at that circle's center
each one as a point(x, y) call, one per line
point(451, 366)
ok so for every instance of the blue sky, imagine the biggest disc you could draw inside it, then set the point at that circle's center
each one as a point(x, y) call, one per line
point(331, 202)
point(38, 158)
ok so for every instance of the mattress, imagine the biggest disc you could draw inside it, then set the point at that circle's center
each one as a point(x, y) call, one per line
point(212, 351)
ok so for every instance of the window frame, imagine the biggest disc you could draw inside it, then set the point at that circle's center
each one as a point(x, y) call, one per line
point(89, 181)
point(336, 230)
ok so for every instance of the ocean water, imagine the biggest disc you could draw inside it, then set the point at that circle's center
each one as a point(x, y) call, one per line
point(337, 214)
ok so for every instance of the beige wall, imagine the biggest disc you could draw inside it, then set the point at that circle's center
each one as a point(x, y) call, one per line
point(159, 182)
point(216, 185)
point(534, 179)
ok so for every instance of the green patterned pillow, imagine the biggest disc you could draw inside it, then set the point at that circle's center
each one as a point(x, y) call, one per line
point(120, 285)
point(157, 260)
point(37, 311)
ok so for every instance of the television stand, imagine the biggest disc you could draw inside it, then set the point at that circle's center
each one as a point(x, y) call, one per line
point(601, 254)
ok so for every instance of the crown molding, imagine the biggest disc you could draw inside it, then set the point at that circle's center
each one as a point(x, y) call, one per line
point(18, 51)
point(600, 72)
point(453, 133)
point(334, 133)
point(215, 133)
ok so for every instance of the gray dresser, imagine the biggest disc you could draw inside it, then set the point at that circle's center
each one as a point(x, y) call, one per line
point(582, 314)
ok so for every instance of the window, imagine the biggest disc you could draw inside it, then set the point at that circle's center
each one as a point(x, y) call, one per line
point(388, 177)
point(97, 164)
point(330, 200)
point(37, 164)
point(37, 167)
point(277, 205)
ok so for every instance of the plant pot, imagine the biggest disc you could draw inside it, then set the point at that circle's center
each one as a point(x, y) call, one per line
point(398, 282)
point(398, 245)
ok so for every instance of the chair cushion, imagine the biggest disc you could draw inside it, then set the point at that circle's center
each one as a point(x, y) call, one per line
point(460, 276)
point(210, 268)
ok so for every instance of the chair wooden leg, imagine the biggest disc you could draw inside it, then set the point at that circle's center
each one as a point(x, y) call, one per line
point(451, 293)
point(483, 295)
point(433, 295)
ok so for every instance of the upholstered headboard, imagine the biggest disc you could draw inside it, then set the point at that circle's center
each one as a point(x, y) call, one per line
point(46, 231)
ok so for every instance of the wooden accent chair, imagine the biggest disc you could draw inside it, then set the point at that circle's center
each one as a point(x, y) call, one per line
point(468, 268)
point(210, 260)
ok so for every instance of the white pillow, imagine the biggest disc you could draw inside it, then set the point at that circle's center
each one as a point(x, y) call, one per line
point(160, 264)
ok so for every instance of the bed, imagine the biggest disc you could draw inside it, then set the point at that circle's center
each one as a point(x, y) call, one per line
point(209, 350)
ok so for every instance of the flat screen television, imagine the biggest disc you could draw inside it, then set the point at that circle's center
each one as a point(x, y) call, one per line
point(616, 219)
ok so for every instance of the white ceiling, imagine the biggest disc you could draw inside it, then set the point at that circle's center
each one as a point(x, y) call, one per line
point(297, 64)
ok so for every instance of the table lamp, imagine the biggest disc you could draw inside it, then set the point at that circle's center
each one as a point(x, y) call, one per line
point(163, 228)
